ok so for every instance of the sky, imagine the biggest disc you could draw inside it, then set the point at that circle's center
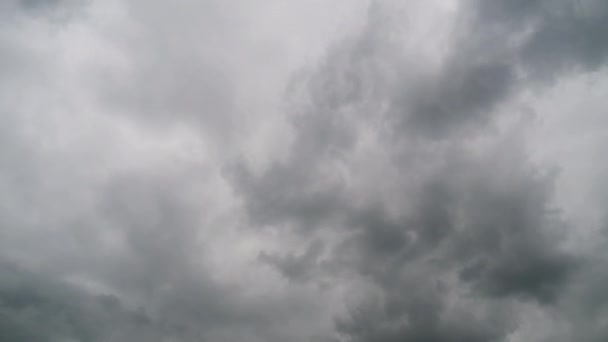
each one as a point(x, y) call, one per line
point(303, 170)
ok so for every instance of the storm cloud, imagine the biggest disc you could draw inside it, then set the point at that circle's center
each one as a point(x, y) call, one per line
point(353, 171)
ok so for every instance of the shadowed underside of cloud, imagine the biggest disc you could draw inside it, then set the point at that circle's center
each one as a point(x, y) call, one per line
point(167, 176)
point(36, 309)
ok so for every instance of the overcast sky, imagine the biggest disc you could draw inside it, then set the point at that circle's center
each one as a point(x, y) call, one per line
point(303, 170)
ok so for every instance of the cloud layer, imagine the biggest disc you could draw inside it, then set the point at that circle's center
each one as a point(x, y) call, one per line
point(303, 171)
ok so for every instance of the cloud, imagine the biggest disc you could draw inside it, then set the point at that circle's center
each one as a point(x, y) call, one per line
point(562, 36)
point(36, 309)
point(302, 171)
point(467, 202)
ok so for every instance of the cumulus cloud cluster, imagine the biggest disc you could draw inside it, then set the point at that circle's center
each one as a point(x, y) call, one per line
point(353, 171)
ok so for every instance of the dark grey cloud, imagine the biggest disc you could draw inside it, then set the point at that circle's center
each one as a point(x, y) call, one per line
point(56, 11)
point(296, 267)
point(496, 234)
point(35, 308)
point(565, 35)
point(486, 218)
point(417, 313)
point(166, 175)
point(37, 4)
point(464, 94)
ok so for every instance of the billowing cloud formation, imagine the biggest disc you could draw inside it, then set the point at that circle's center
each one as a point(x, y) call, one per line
point(303, 171)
